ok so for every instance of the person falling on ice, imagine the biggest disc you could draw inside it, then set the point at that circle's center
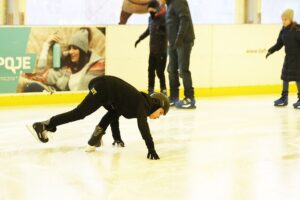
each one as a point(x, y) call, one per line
point(289, 37)
point(119, 98)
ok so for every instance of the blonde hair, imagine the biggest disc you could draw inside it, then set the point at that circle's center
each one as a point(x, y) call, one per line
point(288, 14)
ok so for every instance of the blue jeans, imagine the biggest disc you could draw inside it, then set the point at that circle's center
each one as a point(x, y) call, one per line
point(179, 65)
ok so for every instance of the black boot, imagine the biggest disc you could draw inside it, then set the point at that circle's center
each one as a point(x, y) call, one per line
point(96, 137)
point(282, 101)
point(297, 104)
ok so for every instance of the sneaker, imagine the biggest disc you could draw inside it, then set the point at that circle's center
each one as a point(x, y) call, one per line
point(186, 103)
point(96, 138)
point(282, 101)
point(173, 101)
point(39, 131)
point(297, 104)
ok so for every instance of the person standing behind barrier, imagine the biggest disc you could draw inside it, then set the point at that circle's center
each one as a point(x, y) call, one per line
point(158, 46)
point(181, 38)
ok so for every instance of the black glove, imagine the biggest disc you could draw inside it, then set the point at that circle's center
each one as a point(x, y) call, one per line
point(268, 54)
point(152, 155)
point(118, 143)
point(137, 42)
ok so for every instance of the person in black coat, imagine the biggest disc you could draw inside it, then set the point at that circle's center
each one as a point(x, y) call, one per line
point(181, 38)
point(158, 45)
point(289, 37)
point(119, 98)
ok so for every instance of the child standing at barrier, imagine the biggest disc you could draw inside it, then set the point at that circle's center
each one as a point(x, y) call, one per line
point(289, 37)
point(158, 45)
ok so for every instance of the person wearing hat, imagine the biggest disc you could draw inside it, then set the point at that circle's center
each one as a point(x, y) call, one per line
point(289, 37)
point(79, 65)
point(119, 98)
point(158, 45)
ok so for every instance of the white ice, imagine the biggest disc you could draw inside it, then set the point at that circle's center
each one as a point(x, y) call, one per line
point(229, 148)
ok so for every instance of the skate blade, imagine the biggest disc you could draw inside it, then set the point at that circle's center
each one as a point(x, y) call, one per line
point(90, 148)
point(32, 131)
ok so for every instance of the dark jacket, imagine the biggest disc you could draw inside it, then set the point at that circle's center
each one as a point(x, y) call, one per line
point(289, 37)
point(158, 33)
point(179, 22)
point(127, 101)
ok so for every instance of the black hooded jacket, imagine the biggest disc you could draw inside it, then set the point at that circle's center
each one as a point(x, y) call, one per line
point(158, 33)
point(127, 101)
point(179, 22)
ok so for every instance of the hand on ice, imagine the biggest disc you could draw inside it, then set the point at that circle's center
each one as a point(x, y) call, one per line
point(118, 143)
point(152, 155)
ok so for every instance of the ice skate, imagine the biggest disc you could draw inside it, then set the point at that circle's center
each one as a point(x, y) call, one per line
point(186, 103)
point(164, 91)
point(39, 131)
point(282, 101)
point(150, 91)
point(173, 101)
point(95, 140)
point(297, 104)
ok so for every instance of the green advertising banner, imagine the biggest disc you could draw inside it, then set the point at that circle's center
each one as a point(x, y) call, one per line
point(13, 57)
point(50, 59)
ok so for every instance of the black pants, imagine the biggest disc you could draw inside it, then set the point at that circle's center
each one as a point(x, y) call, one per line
point(90, 104)
point(285, 88)
point(179, 66)
point(157, 63)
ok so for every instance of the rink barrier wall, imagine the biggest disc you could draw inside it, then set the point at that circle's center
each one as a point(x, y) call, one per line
point(226, 60)
point(222, 56)
point(8, 100)
point(76, 97)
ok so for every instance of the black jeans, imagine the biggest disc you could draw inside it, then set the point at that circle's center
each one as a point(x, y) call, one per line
point(285, 88)
point(157, 63)
point(179, 65)
point(90, 104)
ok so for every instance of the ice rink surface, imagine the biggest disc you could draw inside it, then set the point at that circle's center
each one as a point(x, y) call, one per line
point(229, 148)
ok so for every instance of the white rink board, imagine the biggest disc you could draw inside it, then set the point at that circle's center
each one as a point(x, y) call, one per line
point(223, 55)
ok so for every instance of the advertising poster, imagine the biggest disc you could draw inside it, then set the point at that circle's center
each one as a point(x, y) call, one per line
point(50, 59)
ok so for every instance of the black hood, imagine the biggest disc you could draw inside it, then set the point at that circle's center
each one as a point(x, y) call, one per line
point(153, 104)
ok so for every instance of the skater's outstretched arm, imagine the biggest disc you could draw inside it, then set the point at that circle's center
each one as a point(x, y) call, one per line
point(278, 45)
point(145, 131)
point(143, 36)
